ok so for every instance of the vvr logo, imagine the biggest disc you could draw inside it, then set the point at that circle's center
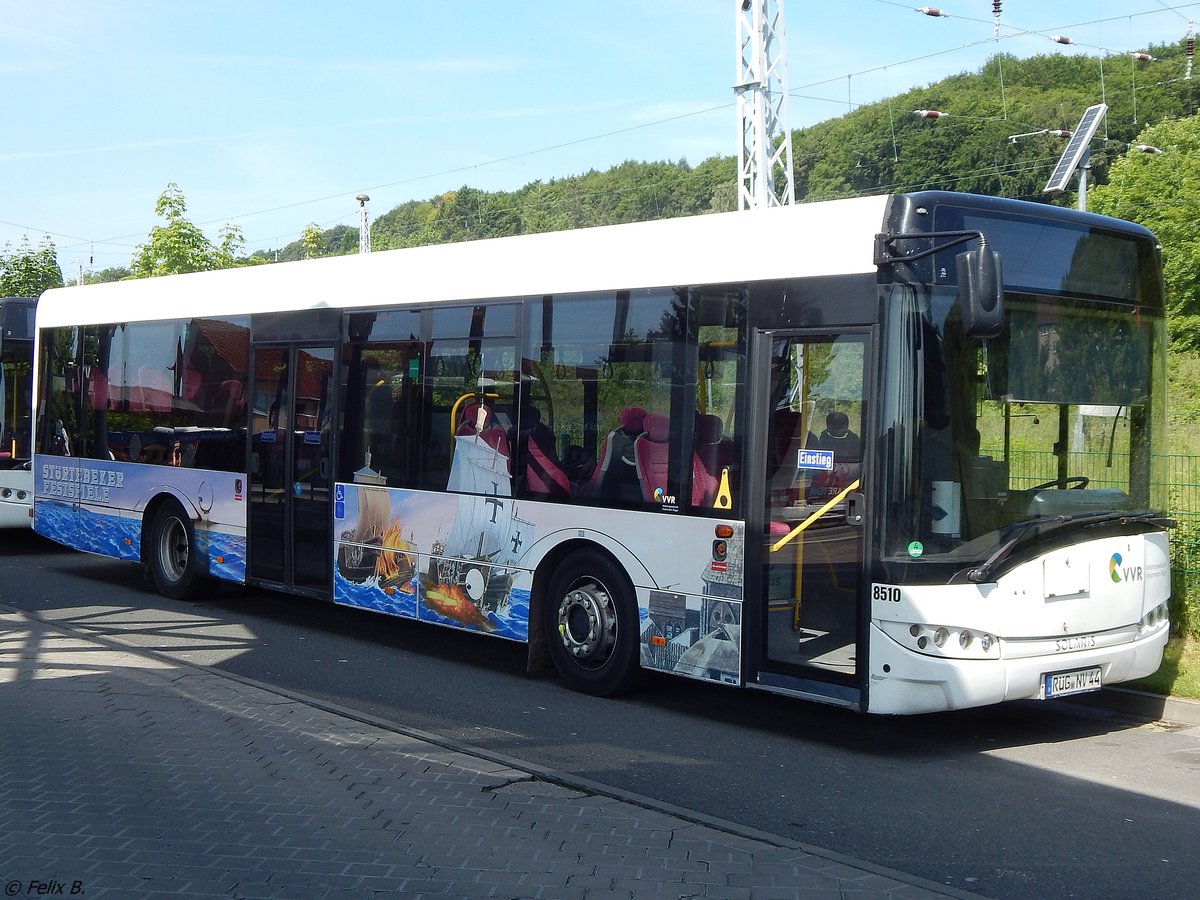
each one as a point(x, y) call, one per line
point(1119, 573)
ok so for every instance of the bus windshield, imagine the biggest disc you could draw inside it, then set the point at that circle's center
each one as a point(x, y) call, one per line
point(1050, 422)
point(16, 348)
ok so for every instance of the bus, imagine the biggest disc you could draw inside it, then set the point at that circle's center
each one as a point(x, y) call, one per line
point(16, 376)
point(891, 453)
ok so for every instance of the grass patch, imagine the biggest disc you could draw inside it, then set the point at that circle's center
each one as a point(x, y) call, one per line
point(1179, 674)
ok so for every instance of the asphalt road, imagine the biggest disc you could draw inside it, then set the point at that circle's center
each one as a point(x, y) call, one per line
point(1016, 801)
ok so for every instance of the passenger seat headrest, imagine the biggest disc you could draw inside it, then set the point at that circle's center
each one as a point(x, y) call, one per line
point(633, 419)
point(658, 428)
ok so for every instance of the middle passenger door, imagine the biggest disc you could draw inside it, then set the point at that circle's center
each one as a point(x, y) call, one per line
point(290, 467)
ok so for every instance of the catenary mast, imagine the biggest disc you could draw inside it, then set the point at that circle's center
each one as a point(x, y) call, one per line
point(765, 140)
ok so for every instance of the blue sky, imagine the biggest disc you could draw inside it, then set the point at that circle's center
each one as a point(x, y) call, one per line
point(275, 114)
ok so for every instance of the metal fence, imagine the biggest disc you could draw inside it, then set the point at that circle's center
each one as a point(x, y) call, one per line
point(1175, 488)
point(1175, 485)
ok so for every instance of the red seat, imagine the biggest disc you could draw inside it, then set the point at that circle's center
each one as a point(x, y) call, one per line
point(544, 473)
point(652, 452)
point(477, 418)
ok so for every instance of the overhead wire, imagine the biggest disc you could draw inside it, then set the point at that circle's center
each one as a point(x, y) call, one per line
point(1016, 33)
point(550, 148)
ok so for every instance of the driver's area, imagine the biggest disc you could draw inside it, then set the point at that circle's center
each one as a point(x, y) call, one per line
point(1044, 459)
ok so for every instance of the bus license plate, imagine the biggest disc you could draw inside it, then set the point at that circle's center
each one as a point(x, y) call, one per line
point(1062, 684)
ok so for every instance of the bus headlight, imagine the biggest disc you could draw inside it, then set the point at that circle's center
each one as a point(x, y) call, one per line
point(1159, 617)
point(948, 641)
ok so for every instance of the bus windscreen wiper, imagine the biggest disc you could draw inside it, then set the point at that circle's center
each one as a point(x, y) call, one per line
point(983, 572)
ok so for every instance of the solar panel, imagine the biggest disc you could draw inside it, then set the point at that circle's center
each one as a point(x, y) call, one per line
point(1076, 148)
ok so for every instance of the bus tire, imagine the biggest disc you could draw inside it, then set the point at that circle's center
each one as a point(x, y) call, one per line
point(172, 556)
point(591, 624)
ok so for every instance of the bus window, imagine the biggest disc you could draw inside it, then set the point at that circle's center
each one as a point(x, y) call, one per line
point(720, 361)
point(167, 393)
point(59, 433)
point(382, 413)
point(419, 385)
point(643, 386)
point(469, 396)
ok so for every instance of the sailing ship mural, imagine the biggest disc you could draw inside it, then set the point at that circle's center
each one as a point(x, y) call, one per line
point(362, 556)
point(464, 557)
point(468, 576)
point(472, 569)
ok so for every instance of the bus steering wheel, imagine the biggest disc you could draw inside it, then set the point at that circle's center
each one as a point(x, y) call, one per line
point(1076, 481)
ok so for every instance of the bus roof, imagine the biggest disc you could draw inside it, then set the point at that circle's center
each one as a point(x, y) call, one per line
point(826, 238)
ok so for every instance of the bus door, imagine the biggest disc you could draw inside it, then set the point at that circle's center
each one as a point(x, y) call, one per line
point(813, 402)
point(291, 467)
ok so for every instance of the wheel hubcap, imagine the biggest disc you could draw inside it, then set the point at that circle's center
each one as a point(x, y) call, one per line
point(587, 623)
point(173, 550)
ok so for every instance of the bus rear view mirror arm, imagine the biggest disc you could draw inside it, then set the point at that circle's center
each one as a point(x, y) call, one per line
point(979, 274)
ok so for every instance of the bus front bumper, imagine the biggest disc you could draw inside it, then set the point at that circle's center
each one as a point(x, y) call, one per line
point(902, 681)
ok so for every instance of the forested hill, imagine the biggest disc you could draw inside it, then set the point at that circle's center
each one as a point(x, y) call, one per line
point(880, 147)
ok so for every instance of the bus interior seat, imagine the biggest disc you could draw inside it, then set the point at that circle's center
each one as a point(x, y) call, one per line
point(616, 476)
point(480, 419)
point(580, 466)
point(652, 454)
point(704, 484)
point(544, 472)
point(714, 449)
point(786, 426)
point(711, 455)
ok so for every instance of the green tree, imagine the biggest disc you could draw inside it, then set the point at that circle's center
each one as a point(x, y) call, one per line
point(26, 271)
point(1162, 192)
point(312, 241)
point(339, 240)
point(113, 273)
point(180, 246)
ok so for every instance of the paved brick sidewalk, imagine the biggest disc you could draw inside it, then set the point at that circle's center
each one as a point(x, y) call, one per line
point(123, 774)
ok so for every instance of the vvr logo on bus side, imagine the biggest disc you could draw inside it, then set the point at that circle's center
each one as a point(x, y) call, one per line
point(1119, 573)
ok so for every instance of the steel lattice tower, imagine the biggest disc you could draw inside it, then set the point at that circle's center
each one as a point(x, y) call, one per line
point(765, 141)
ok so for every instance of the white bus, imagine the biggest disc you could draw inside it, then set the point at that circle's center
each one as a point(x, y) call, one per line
point(891, 453)
point(16, 375)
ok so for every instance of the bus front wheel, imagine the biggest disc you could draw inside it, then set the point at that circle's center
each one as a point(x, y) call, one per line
point(591, 624)
point(173, 560)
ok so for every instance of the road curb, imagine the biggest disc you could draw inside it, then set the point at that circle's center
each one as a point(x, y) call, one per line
point(1143, 705)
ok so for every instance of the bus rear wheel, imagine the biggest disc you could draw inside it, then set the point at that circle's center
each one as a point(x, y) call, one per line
point(591, 625)
point(173, 560)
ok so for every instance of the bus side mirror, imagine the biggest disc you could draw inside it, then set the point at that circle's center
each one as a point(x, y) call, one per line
point(981, 292)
